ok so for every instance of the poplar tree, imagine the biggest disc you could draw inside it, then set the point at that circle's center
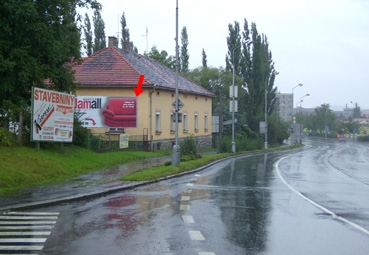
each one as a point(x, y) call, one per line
point(99, 29)
point(204, 59)
point(88, 35)
point(184, 51)
point(125, 35)
point(234, 56)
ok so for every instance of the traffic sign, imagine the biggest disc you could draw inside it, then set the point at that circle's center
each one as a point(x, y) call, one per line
point(180, 104)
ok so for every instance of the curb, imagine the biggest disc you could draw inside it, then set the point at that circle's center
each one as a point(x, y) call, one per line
point(118, 189)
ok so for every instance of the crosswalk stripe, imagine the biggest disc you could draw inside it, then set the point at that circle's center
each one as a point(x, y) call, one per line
point(28, 217)
point(40, 227)
point(26, 233)
point(22, 240)
point(27, 222)
point(21, 248)
point(33, 213)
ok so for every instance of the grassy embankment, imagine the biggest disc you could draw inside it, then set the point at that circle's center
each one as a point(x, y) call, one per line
point(22, 167)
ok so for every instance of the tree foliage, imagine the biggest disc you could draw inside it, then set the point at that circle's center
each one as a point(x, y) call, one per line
point(162, 57)
point(125, 35)
point(185, 57)
point(251, 58)
point(88, 35)
point(99, 31)
point(38, 38)
point(204, 59)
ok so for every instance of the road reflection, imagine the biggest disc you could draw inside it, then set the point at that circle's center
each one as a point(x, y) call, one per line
point(245, 204)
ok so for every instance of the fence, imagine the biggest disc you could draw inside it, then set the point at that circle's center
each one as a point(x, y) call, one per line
point(110, 141)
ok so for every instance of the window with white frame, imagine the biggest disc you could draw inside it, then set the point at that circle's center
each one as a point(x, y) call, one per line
point(185, 128)
point(157, 119)
point(172, 122)
point(206, 121)
point(196, 122)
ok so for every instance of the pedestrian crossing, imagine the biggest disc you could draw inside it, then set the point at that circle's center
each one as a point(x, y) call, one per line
point(25, 232)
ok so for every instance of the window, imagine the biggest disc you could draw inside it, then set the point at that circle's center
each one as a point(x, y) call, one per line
point(206, 122)
point(185, 128)
point(172, 122)
point(196, 123)
point(157, 122)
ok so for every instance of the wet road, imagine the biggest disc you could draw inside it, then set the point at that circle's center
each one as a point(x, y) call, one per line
point(309, 201)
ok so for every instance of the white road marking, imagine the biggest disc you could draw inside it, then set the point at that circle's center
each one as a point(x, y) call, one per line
point(26, 233)
point(22, 248)
point(185, 198)
point(189, 184)
point(276, 165)
point(184, 207)
point(196, 235)
point(193, 180)
point(206, 253)
point(22, 240)
point(20, 230)
point(188, 219)
point(197, 175)
point(188, 191)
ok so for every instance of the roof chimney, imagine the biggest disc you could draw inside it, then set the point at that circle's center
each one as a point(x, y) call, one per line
point(112, 41)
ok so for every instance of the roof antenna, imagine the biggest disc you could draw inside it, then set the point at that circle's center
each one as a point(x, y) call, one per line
point(147, 40)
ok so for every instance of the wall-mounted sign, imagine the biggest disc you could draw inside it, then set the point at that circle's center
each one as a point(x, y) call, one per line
point(52, 116)
point(102, 112)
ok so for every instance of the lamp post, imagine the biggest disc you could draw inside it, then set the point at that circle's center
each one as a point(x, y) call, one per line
point(176, 148)
point(299, 85)
point(233, 103)
point(301, 127)
point(266, 114)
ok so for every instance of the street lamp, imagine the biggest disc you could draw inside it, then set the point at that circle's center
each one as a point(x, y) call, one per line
point(233, 104)
point(299, 85)
point(176, 149)
point(266, 114)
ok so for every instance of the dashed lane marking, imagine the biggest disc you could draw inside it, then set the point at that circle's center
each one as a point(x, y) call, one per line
point(188, 219)
point(206, 253)
point(185, 198)
point(184, 207)
point(196, 235)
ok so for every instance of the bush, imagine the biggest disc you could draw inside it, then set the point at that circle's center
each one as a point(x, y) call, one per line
point(6, 138)
point(363, 138)
point(188, 146)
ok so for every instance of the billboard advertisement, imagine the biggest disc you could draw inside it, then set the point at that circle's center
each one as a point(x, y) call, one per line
point(52, 116)
point(103, 112)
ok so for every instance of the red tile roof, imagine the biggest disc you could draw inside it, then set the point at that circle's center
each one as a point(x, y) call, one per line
point(113, 67)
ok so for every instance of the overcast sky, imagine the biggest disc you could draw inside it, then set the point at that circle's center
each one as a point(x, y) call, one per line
point(323, 44)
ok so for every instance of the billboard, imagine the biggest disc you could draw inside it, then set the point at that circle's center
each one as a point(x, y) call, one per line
point(52, 116)
point(103, 112)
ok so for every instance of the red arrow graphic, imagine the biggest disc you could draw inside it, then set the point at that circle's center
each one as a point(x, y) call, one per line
point(138, 90)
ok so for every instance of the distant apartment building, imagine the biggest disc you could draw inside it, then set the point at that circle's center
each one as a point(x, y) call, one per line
point(284, 106)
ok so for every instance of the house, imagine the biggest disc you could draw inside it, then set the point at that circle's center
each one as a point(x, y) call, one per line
point(108, 103)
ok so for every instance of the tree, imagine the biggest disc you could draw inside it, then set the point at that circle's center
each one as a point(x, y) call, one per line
point(99, 29)
point(37, 41)
point(88, 35)
point(204, 59)
point(162, 57)
point(184, 51)
point(324, 117)
point(256, 67)
point(234, 58)
point(125, 41)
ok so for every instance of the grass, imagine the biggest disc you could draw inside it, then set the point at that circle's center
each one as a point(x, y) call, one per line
point(22, 167)
point(155, 173)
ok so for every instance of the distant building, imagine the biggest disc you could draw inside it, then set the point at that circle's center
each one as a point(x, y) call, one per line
point(284, 106)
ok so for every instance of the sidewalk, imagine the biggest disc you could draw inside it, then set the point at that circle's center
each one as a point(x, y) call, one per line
point(88, 185)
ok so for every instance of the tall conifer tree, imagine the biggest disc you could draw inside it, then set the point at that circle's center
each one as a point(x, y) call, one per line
point(88, 35)
point(99, 29)
point(184, 51)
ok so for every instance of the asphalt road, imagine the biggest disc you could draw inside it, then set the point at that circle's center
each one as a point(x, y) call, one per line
point(309, 201)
